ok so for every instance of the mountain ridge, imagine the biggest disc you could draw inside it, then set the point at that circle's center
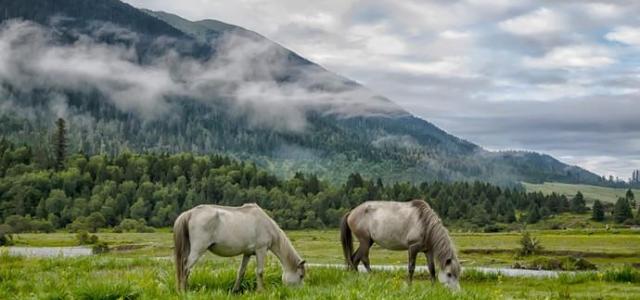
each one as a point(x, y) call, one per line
point(298, 116)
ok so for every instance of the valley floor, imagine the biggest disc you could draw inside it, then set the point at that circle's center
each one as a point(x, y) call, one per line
point(140, 267)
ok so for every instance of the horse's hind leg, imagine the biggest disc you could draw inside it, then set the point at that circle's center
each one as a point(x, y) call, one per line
point(243, 267)
point(362, 254)
point(365, 254)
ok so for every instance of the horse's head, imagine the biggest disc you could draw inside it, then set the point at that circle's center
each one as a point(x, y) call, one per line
point(450, 274)
point(295, 276)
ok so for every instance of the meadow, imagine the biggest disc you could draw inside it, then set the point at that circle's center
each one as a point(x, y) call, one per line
point(590, 192)
point(140, 267)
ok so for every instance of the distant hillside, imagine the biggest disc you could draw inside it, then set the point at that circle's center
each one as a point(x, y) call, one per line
point(590, 192)
point(125, 78)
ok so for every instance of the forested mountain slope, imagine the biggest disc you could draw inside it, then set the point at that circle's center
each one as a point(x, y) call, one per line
point(129, 79)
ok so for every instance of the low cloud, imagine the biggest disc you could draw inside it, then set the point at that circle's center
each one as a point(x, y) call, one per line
point(257, 78)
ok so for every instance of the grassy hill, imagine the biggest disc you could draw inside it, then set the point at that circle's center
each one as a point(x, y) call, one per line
point(590, 192)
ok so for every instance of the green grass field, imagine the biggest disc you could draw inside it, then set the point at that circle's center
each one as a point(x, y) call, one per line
point(590, 192)
point(108, 277)
point(140, 267)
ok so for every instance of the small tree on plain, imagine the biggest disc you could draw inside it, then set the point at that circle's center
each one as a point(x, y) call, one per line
point(631, 198)
point(529, 245)
point(597, 214)
point(622, 211)
point(578, 203)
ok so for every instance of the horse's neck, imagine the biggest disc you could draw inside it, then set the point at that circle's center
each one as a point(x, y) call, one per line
point(441, 245)
point(285, 252)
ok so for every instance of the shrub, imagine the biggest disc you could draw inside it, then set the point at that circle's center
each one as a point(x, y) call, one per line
point(19, 224)
point(529, 245)
point(84, 238)
point(80, 224)
point(5, 235)
point(568, 263)
point(100, 247)
point(128, 225)
point(493, 228)
point(581, 264)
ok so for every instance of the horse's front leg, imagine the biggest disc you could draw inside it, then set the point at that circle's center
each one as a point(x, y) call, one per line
point(432, 265)
point(260, 257)
point(413, 253)
point(243, 267)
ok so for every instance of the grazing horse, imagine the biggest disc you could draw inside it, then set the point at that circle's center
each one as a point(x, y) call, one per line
point(411, 226)
point(232, 231)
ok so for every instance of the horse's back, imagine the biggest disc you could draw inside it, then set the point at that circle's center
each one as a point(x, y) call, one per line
point(231, 230)
point(393, 225)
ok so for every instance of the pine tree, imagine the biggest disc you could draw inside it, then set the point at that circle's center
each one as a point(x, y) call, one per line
point(533, 216)
point(598, 211)
point(578, 204)
point(622, 210)
point(631, 198)
point(60, 143)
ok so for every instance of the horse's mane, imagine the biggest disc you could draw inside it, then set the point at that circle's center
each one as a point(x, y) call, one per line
point(436, 236)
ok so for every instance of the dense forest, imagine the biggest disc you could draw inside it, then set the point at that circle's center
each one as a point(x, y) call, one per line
point(44, 191)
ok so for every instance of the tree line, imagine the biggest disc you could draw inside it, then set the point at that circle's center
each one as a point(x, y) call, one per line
point(132, 191)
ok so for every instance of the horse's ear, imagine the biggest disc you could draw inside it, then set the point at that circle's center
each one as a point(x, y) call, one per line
point(301, 263)
point(448, 262)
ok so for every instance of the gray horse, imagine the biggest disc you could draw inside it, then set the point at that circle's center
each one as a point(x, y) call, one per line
point(411, 226)
point(232, 231)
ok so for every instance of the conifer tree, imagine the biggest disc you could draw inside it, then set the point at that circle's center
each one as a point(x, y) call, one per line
point(60, 143)
point(597, 213)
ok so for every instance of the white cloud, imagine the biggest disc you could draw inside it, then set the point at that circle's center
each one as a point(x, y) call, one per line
point(577, 56)
point(455, 35)
point(446, 67)
point(603, 10)
point(625, 34)
point(540, 21)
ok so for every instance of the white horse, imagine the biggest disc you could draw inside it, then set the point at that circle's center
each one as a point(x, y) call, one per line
point(232, 231)
point(411, 226)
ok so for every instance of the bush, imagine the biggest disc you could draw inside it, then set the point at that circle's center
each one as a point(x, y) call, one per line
point(5, 235)
point(100, 247)
point(493, 228)
point(568, 263)
point(84, 238)
point(19, 224)
point(529, 245)
point(128, 225)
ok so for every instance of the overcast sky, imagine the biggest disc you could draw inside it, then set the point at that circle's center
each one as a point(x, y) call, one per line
point(559, 77)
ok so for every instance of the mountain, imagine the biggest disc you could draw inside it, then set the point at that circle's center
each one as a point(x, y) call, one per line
point(130, 79)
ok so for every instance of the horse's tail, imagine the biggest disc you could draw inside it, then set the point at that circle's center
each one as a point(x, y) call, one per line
point(347, 241)
point(182, 248)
